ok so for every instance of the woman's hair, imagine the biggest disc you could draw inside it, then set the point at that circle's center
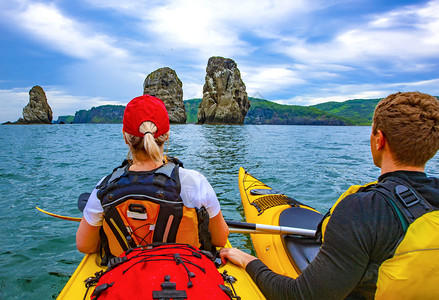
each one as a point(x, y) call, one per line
point(410, 124)
point(147, 146)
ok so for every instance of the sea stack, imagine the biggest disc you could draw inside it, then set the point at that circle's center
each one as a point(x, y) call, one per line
point(37, 111)
point(225, 99)
point(165, 85)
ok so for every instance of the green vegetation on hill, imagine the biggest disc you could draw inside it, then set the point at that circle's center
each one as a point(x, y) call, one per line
point(267, 112)
point(351, 112)
point(360, 111)
point(191, 107)
point(100, 114)
point(65, 120)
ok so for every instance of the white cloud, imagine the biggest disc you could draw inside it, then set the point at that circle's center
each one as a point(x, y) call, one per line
point(211, 27)
point(402, 37)
point(362, 91)
point(65, 104)
point(46, 24)
point(269, 79)
point(183, 34)
point(12, 102)
point(192, 90)
point(275, 78)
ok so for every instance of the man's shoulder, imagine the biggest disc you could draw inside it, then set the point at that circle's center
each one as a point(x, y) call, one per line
point(365, 197)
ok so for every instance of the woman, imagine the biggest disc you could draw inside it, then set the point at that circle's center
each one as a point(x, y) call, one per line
point(156, 179)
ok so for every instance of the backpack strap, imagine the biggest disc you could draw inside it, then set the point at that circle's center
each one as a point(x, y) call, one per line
point(406, 202)
point(117, 172)
point(169, 218)
point(204, 235)
point(413, 202)
point(165, 172)
point(104, 249)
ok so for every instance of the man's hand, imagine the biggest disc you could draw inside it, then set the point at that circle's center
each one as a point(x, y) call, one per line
point(236, 256)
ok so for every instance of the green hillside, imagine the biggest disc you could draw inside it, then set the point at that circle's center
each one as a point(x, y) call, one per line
point(191, 107)
point(64, 120)
point(360, 111)
point(267, 112)
point(100, 114)
point(350, 112)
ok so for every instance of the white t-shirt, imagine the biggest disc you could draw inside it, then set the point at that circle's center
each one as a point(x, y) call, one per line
point(196, 191)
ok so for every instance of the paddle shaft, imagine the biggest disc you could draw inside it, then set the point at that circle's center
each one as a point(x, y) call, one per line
point(242, 227)
point(234, 227)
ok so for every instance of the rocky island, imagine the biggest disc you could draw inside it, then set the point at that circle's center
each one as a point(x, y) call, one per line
point(37, 111)
point(225, 99)
point(165, 85)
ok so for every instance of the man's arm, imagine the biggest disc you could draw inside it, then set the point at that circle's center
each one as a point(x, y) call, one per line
point(350, 246)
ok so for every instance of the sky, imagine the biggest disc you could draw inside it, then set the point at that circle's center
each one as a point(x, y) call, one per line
point(86, 53)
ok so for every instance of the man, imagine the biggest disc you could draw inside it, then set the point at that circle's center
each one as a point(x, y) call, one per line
point(362, 236)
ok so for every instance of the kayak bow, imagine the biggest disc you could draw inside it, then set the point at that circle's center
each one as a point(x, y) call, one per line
point(284, 254)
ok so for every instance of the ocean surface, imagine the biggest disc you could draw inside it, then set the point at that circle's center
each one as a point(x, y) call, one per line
point(50, 165)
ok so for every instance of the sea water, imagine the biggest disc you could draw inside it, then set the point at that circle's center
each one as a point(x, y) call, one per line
point(51, 165)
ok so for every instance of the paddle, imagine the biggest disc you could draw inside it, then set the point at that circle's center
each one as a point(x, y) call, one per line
point(234, 226)
point(82, 201)
point(242, 227)
point(59, 216)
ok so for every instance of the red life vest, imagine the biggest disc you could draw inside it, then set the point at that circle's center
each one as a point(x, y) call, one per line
point(164, 271)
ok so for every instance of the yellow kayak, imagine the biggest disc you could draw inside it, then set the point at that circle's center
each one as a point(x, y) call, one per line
point(284, 254)
point(76, 288)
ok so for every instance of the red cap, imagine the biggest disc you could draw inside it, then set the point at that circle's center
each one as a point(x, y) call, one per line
point(142, 109)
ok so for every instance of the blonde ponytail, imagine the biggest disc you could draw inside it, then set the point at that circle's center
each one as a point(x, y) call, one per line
point(150, 146)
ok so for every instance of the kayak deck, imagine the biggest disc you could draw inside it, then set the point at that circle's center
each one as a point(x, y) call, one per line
point(284, 254)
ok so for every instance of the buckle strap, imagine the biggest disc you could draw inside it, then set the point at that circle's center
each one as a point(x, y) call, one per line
point(409, 202)
point(169, 291)
point(413, 203)
point(407, 196)
point(100, 289)
point(115, 261)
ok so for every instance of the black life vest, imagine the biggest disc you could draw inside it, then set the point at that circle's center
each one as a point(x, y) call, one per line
point(145, 207)
point(410, 272)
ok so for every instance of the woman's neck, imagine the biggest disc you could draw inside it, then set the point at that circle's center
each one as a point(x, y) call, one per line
point(144, 165)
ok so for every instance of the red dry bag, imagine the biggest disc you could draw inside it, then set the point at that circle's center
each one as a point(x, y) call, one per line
point(164, 271)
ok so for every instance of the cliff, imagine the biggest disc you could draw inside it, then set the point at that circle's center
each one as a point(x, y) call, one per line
point(100, 114)
point(37, 111)
point(165, 85)
point(225, 98)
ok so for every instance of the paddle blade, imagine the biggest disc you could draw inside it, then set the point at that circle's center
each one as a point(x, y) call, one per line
point(82, 200)
point(59, 216)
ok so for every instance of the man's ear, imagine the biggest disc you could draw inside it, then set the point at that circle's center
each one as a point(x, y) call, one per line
point(380, 140)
